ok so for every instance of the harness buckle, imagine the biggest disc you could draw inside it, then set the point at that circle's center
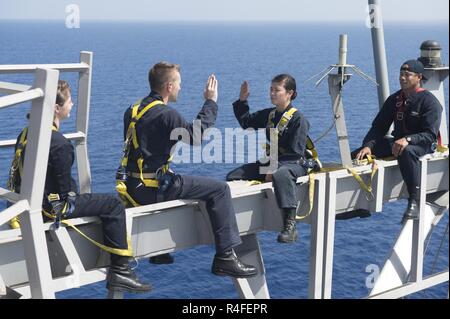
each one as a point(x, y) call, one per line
point(61, 208)
point(165, 179)
point(309, 164)
point(121, 174)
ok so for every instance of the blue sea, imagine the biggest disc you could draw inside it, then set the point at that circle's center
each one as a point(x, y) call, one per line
point(123, 53)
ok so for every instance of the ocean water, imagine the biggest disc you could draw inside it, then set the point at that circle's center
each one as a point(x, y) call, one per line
point(123, 53)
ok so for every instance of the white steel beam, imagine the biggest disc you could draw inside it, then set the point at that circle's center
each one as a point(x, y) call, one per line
point(32, 188)
point(9, 88)
point(30, 68)
point(17, 98)
point(84, 95)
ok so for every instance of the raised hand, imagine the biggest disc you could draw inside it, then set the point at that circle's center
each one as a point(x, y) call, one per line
point(243, 95)
point(211, 91)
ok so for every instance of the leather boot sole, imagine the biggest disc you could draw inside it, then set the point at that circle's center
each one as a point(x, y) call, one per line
point(122, 288)
point(224, 272)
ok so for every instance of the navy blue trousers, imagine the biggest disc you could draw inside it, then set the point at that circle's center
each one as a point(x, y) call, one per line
point(283, 179)
point(216, 195)
point(111, 212)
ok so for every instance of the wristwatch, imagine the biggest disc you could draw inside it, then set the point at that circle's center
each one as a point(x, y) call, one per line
point(408, 139)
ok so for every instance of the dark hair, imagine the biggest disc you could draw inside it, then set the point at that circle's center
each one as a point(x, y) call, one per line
point(288, 83)
point(161, 73)
point(62, 93)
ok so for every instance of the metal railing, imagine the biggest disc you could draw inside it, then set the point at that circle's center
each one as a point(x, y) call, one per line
point(19, 93)
point(28, 203)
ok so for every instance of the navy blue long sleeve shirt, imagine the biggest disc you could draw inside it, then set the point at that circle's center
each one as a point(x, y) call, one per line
point(293, 139)
point(155, 127)
point(420, 121)
point(59, 168)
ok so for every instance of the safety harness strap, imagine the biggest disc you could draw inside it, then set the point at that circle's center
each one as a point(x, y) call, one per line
point(132, 135)
point(117, 251)
point(132, 139)
point(17, 164)
point(312, 180)
point(366, 187)
point(281, 126)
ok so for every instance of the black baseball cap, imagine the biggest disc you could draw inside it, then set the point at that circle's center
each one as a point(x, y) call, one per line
point(413, 66)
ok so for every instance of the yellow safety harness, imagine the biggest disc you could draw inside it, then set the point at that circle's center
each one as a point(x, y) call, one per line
point(311, 151)
point(281, 126)
point(16, 170)
point(131, 140)
point(17, 167)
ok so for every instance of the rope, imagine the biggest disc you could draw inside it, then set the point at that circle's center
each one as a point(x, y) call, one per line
point(335, 109)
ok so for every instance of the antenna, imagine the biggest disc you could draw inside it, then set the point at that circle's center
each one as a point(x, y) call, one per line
point(336, 83)
point(342, 66)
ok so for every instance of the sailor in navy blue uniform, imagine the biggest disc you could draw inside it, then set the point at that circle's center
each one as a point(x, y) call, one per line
point(62, 201)
point(292, 138)
point(156, 124)
point(416, 114)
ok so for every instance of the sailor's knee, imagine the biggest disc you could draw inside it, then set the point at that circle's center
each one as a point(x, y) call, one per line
point(407, 154)
point(280, 175)
point(116, 205)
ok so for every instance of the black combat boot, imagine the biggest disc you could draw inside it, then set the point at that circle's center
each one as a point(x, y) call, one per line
point(412, 211)
point(123, 278)
point(289, 233)
point(228, 264)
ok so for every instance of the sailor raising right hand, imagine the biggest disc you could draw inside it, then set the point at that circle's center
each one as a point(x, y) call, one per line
point(148, 128)
point(291, 139)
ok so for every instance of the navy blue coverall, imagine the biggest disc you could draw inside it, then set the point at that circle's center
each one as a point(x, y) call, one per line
point(293, 144)
point(416, 118)
point(107, 207)
point(153, 132)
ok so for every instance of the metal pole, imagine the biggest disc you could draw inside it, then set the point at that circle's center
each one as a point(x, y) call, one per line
point(379, 50)
point(328, 235)
point(32, 189)
point(343, 49)
point(335, 85)
point(316, 252)
point(418, 236)
point(84, 98)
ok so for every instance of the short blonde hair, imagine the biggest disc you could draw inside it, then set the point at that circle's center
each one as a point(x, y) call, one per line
point(161, 73)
